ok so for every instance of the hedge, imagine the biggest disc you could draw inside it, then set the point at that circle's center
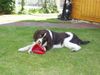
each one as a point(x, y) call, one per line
point(6, 6)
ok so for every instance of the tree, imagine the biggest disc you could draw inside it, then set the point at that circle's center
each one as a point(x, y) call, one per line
point(67, 10)
point(6, 6)
point(22, 6)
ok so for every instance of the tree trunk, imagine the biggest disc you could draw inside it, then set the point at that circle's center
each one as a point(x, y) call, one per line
point(22, 5)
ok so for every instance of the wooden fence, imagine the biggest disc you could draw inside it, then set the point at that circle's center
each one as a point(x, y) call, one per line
point(86, 10)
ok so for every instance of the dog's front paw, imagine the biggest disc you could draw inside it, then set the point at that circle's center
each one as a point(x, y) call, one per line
point(21, 49)
point(29, 51)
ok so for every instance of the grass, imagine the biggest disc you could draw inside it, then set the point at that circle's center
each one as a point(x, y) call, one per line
point(53, 20)
point(54, 62)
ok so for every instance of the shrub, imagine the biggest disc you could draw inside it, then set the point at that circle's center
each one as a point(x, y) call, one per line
point(49, 7)
point(6, 6)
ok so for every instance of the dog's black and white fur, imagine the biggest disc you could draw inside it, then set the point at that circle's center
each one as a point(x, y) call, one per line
point(50, 39)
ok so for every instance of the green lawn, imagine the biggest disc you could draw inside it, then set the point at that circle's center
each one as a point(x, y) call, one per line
point(52, 20)
point(54, 62)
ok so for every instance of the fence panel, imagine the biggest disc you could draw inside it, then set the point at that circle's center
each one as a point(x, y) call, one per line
point(86, 10)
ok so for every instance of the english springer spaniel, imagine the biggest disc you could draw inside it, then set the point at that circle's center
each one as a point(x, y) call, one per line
point(50, 39)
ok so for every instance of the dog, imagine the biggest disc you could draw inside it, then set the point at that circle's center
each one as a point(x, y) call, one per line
point(50, 39)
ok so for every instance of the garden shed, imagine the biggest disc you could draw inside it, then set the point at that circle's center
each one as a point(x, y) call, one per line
point(86, 10)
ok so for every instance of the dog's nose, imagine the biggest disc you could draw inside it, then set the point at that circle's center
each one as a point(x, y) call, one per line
point(39, 42)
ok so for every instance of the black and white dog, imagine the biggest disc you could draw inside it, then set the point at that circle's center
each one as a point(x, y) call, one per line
point(50, 39)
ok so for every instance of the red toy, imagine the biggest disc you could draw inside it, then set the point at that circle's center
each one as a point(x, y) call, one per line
point(38, 49)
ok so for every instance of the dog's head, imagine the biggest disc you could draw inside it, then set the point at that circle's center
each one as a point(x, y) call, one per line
point(43, 37)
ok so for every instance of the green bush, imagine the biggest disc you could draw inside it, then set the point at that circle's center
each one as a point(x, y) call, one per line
point(49, 7)
point(32, 11)
point(6, 6)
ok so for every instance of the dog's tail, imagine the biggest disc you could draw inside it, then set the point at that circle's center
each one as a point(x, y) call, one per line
point(84, 42)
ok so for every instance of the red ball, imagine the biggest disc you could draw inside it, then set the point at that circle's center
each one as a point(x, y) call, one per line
point(38, 49)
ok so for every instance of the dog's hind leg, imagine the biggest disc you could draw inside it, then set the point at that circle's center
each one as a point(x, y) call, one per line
point(72, 46)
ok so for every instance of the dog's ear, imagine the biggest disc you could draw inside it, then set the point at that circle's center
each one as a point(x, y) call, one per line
point(38, 33)
point(35, 35)
point(44, 35)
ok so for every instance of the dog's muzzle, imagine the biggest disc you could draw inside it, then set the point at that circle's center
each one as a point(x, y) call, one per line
point(39, 41)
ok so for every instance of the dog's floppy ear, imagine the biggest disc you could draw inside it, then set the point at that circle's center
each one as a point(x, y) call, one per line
point(35, 35)
point(44, 35)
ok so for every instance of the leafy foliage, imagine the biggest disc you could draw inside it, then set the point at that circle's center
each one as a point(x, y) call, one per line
point(49, 7)
point(6, 6)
